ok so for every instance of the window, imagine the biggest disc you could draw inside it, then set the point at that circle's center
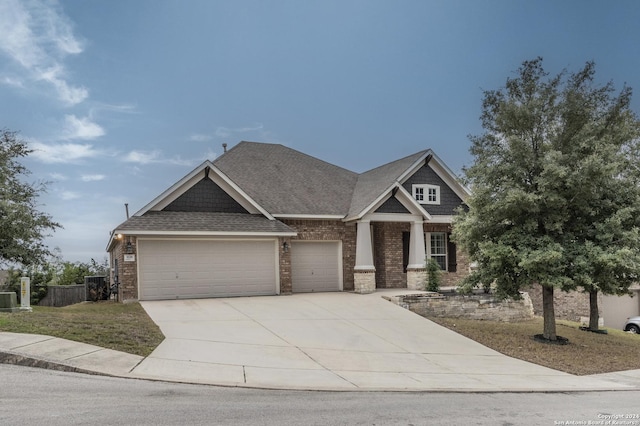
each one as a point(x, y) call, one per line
point(436, 244)
point(426, 194)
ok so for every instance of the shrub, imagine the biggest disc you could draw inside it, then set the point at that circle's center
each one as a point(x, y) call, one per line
point(433, 276)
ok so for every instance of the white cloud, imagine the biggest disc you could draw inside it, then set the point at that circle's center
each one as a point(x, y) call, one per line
point(63, 153)
point(37, 36)
point(69, 195)
point(155, 157)
point(142, 157)
point(92, 178)
point(200, 137)
point(81, 128)
point(13, 81)
point(122, 108)
point(69, 95)
point(57, 176)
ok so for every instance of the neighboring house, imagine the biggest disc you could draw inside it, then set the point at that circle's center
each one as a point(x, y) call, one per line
point(574, 306)
point(264, 219)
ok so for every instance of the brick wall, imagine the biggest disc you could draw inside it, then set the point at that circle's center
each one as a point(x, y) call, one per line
point(387, 249)
point(322, 230)
point(451, 279)
point(285, 266)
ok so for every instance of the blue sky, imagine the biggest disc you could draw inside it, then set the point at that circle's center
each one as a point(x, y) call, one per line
point(120, 99)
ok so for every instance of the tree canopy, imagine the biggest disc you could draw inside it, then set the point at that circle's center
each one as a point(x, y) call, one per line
point(555, 187)
point(22, 226)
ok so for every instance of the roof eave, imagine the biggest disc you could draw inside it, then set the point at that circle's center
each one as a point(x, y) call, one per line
point(141, 232)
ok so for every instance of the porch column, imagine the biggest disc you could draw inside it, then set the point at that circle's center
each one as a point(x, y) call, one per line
point(416, 268)
point(364, 275)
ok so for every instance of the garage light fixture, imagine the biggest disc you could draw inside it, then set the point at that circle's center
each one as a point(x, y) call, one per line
point(285, 247)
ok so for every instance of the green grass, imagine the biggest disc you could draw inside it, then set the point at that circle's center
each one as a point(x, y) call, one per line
point(586, 353)
point(118, 326)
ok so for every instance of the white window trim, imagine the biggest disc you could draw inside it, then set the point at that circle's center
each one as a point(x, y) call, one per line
point(427, 245)
point(425, 193)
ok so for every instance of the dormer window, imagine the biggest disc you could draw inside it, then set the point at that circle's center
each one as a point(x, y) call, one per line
point(426, 194)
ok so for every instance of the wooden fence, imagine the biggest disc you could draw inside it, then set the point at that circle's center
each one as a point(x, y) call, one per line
point(63, 295)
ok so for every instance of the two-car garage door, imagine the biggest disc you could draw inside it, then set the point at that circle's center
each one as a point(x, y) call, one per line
point(185, 269)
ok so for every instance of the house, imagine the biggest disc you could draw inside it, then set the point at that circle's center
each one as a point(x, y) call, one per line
point(264, 219)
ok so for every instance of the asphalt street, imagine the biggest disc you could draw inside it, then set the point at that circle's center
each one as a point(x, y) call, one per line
point(31, 396)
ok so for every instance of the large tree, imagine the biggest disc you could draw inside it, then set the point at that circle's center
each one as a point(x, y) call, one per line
point(22, 226)
point(598, 149)
point(550, 192)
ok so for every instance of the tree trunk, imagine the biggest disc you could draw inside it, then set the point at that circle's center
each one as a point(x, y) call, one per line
point(594, 316)
point(548, 313)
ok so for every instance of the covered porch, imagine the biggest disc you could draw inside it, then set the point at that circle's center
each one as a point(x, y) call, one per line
point(392, 249)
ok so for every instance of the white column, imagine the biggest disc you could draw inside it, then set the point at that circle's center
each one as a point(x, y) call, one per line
point(417, 254)
point(364, 249)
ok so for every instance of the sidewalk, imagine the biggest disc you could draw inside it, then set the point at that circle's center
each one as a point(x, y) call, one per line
point(65, 355)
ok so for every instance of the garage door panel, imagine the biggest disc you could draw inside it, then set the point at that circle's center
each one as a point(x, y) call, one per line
point(172, 269)
point(315, 266)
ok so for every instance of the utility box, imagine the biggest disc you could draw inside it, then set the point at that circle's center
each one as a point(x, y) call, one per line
point(97, 288)
point(8, 301)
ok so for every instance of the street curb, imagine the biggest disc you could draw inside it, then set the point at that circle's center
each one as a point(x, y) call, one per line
point(8, 357)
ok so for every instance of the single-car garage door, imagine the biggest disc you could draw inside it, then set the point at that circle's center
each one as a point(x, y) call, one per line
point(316, 266)
point(186, 269)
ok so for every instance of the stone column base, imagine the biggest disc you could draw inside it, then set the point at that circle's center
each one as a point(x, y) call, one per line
point(416, 279)
point(364, 282)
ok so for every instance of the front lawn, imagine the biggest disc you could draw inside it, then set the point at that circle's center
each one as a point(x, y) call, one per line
point(118, 326)
point(586, 353)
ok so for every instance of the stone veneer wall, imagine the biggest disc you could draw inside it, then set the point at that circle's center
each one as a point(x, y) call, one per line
point(322, 230)
point(127, 271)
point(364, 282)
point(478, 307)
point(570, 306)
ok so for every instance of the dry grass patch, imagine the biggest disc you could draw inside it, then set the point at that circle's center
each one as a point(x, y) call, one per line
point(118, 326)
point(586, 353)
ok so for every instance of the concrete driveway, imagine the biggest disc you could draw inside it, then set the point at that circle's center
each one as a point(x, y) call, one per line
point(331, 341)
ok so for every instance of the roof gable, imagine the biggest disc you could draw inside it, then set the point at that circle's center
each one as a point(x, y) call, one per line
point(392, 205)
point(204, 171)
point(205, 196)
point(375, 184)
point(434, 166)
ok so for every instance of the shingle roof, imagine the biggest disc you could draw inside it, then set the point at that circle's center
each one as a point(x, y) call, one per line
point(285, 181)
point(373, 183)
point(163, 221)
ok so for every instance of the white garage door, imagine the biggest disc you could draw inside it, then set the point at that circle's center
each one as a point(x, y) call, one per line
point(315, 266)
point(186, 269)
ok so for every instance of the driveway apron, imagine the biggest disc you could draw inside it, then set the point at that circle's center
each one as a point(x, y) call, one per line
point(332, 341)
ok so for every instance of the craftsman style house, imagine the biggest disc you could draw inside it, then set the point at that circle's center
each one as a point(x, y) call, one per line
point(264, 219)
